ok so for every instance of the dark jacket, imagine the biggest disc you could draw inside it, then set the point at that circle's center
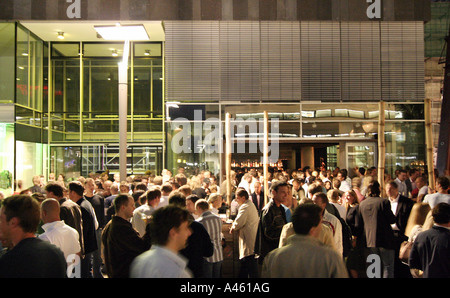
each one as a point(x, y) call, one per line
point(199, 246)
point(70, 212)
point(33, 258)
point(259, 206)
point(374, 221)
point(431, 253)
point(89, 234)
point(271, 223)
point(402, 213)
point(98, 202)
point(121, 245)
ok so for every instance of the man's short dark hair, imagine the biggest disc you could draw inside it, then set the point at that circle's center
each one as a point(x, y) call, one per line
point(373, 190)
point(322, 197)
point(393, 184)
point(166, 187)
point(25, 208)
point(77, 187)
point(153, 194)
point(241, 192)
point(193, 198)
point(314, 188)
point(441, 213)
point(278, 184)
point(163, 220)
point(177, 198)
point(305, 217)
point(344, 173)
point(140, 186)
point(55, 188)
point(412, 171)
point(443, 182)
point(120, 200)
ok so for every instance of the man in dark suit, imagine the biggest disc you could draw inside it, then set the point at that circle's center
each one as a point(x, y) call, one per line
point(430, 251)
point(373, 222)
point(258, 196)
point(401, 207)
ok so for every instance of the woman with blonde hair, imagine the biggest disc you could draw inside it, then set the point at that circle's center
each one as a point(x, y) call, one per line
point(215, 202)
point(366, 182)
point(356, 187)
point(416, 220)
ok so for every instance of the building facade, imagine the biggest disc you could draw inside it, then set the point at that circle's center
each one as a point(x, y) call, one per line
point(319, 68)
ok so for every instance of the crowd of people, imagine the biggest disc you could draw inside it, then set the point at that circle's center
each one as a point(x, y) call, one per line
point(311, 223)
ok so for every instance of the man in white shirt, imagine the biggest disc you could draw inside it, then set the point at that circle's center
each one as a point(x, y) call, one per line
point(345, 185)
point(142, 214)
point(442, 195)
point(56, 231)
point(166, 189)
point(245, 182)
point(400, 180)
point(169, 230)
point(422, 187)
point(321, 199)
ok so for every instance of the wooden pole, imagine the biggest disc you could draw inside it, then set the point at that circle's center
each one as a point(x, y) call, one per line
point(266, 157)
point(228, 156)
point(429, 144)
point(443, 146)
point(381, 146)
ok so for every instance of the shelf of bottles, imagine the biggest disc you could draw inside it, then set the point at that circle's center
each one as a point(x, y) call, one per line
point(254, 164)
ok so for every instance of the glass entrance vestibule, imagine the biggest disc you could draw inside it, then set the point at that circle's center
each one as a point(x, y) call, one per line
point(302, 134)
point(63, 94)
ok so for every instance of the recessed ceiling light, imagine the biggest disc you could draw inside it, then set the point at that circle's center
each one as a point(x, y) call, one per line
point(147, 53)
point(61, 35)
point(114, 53)
point(126, 32)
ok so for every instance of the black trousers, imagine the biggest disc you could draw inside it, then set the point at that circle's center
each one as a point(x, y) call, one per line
point(248, 267)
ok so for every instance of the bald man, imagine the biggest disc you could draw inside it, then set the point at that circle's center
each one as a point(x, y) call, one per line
point(56, 231)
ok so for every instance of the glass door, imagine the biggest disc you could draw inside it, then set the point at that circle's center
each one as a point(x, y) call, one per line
point(362, 154)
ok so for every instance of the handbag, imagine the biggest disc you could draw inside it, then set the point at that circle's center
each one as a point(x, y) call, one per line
point(405, 250)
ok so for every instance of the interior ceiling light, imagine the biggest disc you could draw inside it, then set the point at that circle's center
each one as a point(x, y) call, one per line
point(61, 35)
point(122, 32)
point(114, 53)
point(147, 53)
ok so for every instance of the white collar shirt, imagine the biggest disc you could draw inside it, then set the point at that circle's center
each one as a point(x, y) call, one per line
point(159, 262)
point(63, 236)
point(394, 205)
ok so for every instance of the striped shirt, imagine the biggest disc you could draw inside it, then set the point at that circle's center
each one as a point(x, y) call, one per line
point(213, 224)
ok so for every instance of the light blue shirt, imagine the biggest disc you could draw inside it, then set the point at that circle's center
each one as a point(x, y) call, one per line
point(159, 262)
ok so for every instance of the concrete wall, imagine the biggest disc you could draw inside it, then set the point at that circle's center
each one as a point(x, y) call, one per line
point(289, 10)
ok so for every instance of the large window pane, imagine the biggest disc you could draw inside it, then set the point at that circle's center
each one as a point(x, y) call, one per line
point(7, 54)
point(405, 146)
point(22, 79)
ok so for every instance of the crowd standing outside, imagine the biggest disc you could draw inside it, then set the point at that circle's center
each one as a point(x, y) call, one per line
point(88, 205)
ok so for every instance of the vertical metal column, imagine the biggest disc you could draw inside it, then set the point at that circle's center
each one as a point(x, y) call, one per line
point(123, 111)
